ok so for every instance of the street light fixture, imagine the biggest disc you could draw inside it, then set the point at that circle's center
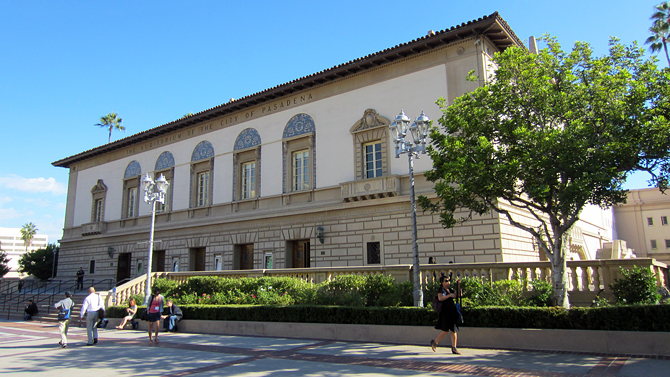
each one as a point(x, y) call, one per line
point(153, 192)
point(414, 147)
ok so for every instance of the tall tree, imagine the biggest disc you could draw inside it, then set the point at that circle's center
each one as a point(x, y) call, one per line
point(660, 29)
point(550, 133)
point(28, 233)
point(112, 122)
point(4, 263)
point(39, 263)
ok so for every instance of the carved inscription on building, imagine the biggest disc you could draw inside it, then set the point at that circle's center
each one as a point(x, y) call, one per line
point(220, 123)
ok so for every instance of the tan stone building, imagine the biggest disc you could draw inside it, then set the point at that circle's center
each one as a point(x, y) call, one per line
point(299, 175)
point(643, 223)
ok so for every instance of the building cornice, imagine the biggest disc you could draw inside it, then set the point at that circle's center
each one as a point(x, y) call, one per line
point(492, 27)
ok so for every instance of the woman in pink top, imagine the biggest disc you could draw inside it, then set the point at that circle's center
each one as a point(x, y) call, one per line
point(154, 311)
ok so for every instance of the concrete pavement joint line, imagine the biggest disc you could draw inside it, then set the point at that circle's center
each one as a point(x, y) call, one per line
point(603, 354)
point(424, 366)
point(608, 366)
point(213, 367)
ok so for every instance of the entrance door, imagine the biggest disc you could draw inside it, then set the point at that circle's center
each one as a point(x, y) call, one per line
point(158, 261)
point(198, 259)
point(301, 254)
point(247, 257)
point(123, 266)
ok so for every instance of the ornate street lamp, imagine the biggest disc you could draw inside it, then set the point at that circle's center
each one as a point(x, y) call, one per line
point(153, 192)
point(415, 147)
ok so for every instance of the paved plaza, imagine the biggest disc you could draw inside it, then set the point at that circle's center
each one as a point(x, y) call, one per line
point(31, 348)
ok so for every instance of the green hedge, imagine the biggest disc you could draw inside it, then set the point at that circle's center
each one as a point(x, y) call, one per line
point(616, 318)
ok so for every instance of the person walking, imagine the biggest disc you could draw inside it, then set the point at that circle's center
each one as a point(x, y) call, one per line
point(173, 316)
point(65, 307)
point(448, 320)
point(154, 312)
point(80, 279)
point(92, 303)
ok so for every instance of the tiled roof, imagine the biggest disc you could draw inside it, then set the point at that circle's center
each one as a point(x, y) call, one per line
point(492, 27)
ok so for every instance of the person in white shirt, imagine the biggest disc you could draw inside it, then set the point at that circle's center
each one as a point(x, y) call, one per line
point(92, 303)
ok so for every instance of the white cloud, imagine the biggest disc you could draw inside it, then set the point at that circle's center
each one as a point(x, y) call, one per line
point(8, 213)
point(33, 184)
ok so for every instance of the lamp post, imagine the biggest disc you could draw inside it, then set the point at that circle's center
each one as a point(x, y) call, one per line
point(414, 147)
point(53, 268)
point(153, 192)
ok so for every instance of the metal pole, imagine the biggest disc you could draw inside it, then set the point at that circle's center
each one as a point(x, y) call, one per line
point(418, 292)
point(147, 291)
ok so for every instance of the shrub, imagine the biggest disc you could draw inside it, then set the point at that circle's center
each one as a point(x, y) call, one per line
point(139, 300)
point(478, 292)
point(381, 290)
point(638, 285)
point(541, 293)
point(165, 286)
point(613, 318)
point(345, 290)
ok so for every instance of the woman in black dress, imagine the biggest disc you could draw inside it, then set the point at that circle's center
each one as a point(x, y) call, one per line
point(448, 320)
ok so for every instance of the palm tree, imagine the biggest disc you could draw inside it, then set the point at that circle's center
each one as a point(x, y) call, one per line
point(27, 233)
point(660, 29)
point(112, 122)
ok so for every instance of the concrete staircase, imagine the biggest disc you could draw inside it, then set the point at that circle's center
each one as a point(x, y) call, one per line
point(13, 305)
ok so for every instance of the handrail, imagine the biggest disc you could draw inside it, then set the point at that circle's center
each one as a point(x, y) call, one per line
point(44, 293)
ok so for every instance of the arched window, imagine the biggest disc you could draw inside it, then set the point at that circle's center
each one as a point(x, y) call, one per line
point(131, 184)
point(247, 165)
point(299, 147)
point(202, 164)
point(165, 166)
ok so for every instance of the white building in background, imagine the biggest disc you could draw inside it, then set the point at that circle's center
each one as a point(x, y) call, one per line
point(12, 244)
point(643, 223)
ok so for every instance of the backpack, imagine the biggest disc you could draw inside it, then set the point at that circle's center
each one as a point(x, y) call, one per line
point(437, 304)
point(63, 313)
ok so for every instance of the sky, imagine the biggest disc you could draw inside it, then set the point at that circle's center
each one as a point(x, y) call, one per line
point(65, 64)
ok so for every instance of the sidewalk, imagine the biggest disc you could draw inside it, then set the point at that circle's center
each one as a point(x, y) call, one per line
point(32, 348)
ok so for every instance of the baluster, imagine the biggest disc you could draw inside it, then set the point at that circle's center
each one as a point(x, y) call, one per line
point(584, 281)
point(572, 280)
point(596, 278)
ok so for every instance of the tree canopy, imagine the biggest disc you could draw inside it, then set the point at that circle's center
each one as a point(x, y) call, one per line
point(111, 121)
point(660, 29)
point(28, 232)
point(548, 134)
point(39, 263)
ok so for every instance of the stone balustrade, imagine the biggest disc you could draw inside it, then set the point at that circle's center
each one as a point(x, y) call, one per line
point(586, 277)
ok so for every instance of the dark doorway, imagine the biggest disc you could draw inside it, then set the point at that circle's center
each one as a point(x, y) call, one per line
point(197, 258)
point(123, 266)
point(300, 254)
point(247, 257)
point(158, 261)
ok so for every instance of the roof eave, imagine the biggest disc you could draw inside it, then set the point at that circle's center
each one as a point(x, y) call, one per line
point(493, 27)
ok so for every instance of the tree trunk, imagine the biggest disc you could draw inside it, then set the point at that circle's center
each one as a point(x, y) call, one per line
point(559, 274)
